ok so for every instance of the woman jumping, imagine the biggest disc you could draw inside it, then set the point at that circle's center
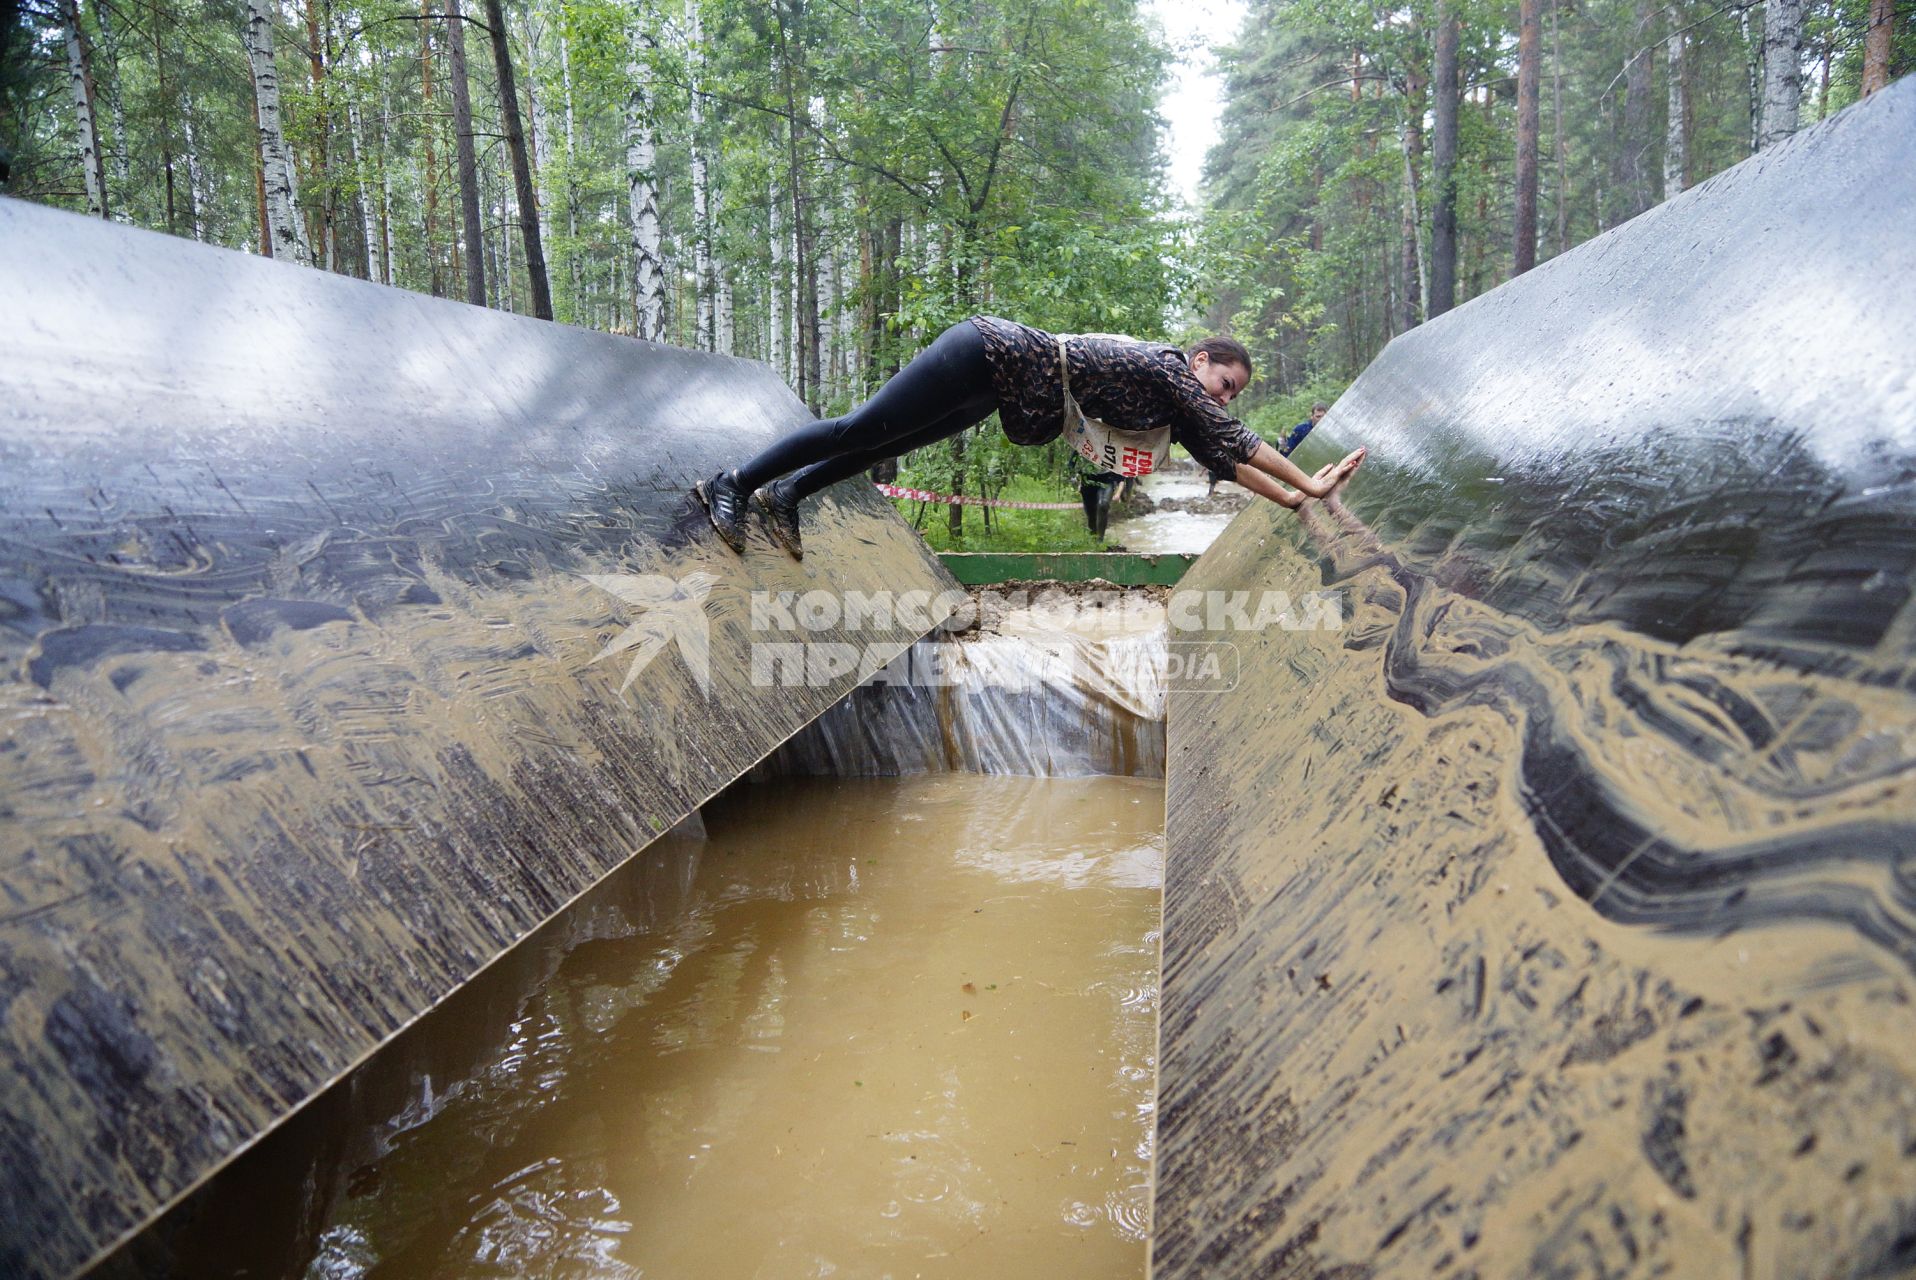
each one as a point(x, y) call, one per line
point(1118, 401)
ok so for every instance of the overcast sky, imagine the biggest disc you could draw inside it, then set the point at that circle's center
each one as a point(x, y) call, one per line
point(1192, 99)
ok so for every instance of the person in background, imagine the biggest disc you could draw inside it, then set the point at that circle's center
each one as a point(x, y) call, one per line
point(1294, 438)
point(1097, 489)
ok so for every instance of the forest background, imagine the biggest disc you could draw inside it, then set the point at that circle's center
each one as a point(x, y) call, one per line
point(825, 184)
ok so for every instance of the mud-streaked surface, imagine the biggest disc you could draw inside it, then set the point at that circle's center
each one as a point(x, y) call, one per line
point(347, 635)
point(1555, 916)
point(866, 1028)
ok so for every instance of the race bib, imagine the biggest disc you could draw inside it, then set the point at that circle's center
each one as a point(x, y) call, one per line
point(1109, 448)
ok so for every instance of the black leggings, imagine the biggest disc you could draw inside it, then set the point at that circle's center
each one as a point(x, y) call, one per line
point(945, 388)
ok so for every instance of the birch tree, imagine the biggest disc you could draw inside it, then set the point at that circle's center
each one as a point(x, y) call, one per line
point(1782, 70)
point(116, 101)
point(1676, 162)
point(357, 138)
point(285, 233)
point(706, 331)
point(196, 175)
point(778, 346)
point(641, 157)
point(80, 74)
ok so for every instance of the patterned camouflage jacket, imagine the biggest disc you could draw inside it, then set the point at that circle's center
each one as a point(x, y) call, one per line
point(1132, 385)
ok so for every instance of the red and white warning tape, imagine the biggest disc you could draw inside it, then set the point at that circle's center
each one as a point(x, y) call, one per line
point(968, 500)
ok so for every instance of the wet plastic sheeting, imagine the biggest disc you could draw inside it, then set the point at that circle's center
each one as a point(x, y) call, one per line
point(1557, 916)
point(306, 589)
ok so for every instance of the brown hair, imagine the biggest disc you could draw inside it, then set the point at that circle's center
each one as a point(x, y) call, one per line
point(1224, 350)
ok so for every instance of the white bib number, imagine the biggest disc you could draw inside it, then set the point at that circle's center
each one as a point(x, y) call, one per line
point(1109, 448)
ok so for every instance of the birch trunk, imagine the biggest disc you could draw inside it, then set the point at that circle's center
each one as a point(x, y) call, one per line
point(80, 72)
point(259, 186)
point(705, 330)
point(571, 182)
point(475, 243)
point(1782, 70)
point(503, 259)
point(284, 233)
point(1876, 45)
point(1676, 156)
point(116, 102)
point(804, 232)
point(641, 157)
point(539, 134)
point(385, 200)
point(358, 138)
point(195, 171)
point(779, 351)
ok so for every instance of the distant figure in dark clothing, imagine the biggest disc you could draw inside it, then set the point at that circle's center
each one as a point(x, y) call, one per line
point(1290, 441)
point(1097, 490)
point(1302, 429)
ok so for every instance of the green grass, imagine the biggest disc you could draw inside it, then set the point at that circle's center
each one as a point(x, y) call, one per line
point(1011, 530)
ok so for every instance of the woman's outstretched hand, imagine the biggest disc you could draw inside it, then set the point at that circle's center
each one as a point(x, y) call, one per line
point(1332, 474)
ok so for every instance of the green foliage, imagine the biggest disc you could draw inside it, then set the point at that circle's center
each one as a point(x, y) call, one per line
point(1009, 529)
point(1302, 250)
point(914, 162)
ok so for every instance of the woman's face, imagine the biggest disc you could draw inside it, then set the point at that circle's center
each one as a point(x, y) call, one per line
point(1223, 381)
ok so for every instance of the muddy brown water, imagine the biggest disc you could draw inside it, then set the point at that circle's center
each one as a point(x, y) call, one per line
point(873, 1027)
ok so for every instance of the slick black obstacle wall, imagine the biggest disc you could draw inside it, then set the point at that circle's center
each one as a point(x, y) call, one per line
point(1556, 916)
point(347, 635)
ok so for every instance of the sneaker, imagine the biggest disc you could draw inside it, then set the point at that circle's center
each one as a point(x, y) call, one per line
point(725, 503)
point(781, 513)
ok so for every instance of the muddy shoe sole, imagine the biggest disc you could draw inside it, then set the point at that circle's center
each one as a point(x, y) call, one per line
point(787, 540)
point(736, 539)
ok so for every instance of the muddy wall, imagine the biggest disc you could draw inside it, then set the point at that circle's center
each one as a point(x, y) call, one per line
point(345, 636)
point(1555, 915)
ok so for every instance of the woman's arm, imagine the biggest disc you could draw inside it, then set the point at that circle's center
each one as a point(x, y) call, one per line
point(1264, 487)
point(1272, 463)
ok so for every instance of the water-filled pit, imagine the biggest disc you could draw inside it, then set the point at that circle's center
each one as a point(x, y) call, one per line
point(839, 1026)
